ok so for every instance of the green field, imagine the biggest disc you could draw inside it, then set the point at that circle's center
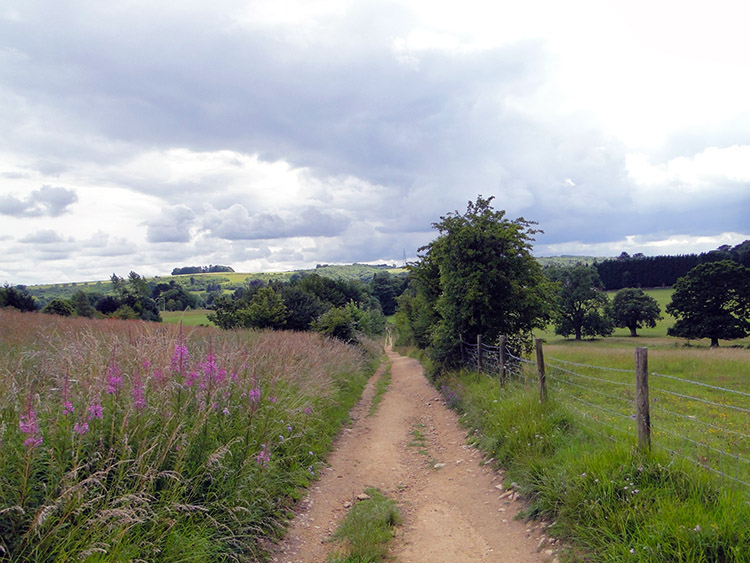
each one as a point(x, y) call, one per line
point(195, 317)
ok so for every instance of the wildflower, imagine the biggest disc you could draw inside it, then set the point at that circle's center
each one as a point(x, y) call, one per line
point(272, 399)
point(191, 378)
point(95, 410)
point(225, 411)
point(138, 394)
point(697, 528)
point(68, 408)
point(310, 469)
point(114, 379)
point(254, 395)
point(289, 428)
point(29, 424)
point(310, 452)
point(308, 410)
point(81, 428)
point(263, 457)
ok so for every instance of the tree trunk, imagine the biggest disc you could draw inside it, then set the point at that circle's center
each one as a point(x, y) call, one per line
point(632, 331)
point(714, 342)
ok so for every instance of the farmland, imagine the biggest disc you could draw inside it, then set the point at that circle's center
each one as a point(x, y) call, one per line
point(137, 441)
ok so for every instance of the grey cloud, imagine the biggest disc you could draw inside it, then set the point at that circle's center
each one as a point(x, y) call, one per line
point(47, 201)
point(236, 223)
point(173, 225)
point(45, 236)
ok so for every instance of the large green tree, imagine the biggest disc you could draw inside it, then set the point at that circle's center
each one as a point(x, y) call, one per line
point(712, 301)
point(582, 306)
point(479, 277)
point(633, 309)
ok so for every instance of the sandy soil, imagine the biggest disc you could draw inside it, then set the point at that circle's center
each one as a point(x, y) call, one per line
point(454, 506)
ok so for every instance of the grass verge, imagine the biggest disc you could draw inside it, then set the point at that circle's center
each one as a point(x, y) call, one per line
point(381, 386)
point(367, 529)
point(608, 500)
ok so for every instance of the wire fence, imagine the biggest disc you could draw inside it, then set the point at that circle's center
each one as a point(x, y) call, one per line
point(705, 424)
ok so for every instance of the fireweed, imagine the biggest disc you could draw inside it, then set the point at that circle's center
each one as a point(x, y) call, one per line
point(138, 441)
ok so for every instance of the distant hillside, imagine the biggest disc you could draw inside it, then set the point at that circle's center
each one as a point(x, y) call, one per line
point(225, 282)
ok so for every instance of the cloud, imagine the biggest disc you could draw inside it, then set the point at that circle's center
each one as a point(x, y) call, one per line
point(47, 201)
point(173, 225)
point(236, 223)
point(46, 236)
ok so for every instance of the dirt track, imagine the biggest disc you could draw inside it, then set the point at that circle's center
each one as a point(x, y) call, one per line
point(454, 507)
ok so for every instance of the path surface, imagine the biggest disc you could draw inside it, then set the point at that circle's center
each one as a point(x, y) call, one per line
point(454, 508)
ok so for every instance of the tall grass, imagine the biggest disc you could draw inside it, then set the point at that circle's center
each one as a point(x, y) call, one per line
point(125, 440)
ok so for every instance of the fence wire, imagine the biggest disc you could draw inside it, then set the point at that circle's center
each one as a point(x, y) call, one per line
point(708, 428)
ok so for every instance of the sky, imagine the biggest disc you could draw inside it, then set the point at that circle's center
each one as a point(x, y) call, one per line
point(273, 135)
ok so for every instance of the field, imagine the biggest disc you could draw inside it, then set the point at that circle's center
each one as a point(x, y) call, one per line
point(124, 440)
point(195, 317)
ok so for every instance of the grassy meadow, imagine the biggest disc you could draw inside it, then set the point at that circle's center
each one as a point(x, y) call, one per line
point(124, 440)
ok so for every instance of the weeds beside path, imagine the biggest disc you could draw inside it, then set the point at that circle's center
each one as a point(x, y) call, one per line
point(454, 508)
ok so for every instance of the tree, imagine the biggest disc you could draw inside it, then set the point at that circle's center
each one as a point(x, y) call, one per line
point(582, 307)
point(60, 307)
point(479, 277)
point(712, 301)
point(18, 298)
point(82, 304)
point(265, 310)
point(633, 309)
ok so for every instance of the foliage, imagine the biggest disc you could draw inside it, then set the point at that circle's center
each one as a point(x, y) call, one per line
point(633, 309)
point(663, 271)
point(60, 307)
point(17, 297)
point(266, 309)
point(137, 441)
point(386, 288)
point(582, 307)
point(478, 277)
point(82, 304)
point(338, 308)
point(712, 301)
point(347, 322)
point(134, 297)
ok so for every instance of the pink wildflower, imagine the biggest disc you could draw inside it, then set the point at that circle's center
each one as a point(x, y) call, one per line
point(114, 379)
point(81, 428)
point(138, 394)
point(95, 410)
point(263, 457)
point(68, 408)
point(180, 357)
point(29, 424)
point(254, 395)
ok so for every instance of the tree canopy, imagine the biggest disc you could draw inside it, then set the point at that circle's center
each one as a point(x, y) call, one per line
point(477, 277)
point(582, 306)
point(712, 301)
point(633, 309)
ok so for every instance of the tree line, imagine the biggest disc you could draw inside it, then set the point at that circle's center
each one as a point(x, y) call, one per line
point(342, 309)
point(479, 277)
point(663, 271)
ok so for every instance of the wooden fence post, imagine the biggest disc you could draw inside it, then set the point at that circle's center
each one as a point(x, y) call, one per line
point(540, 370)
point(480, 363)
point(503, 342)
point(643, 415)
